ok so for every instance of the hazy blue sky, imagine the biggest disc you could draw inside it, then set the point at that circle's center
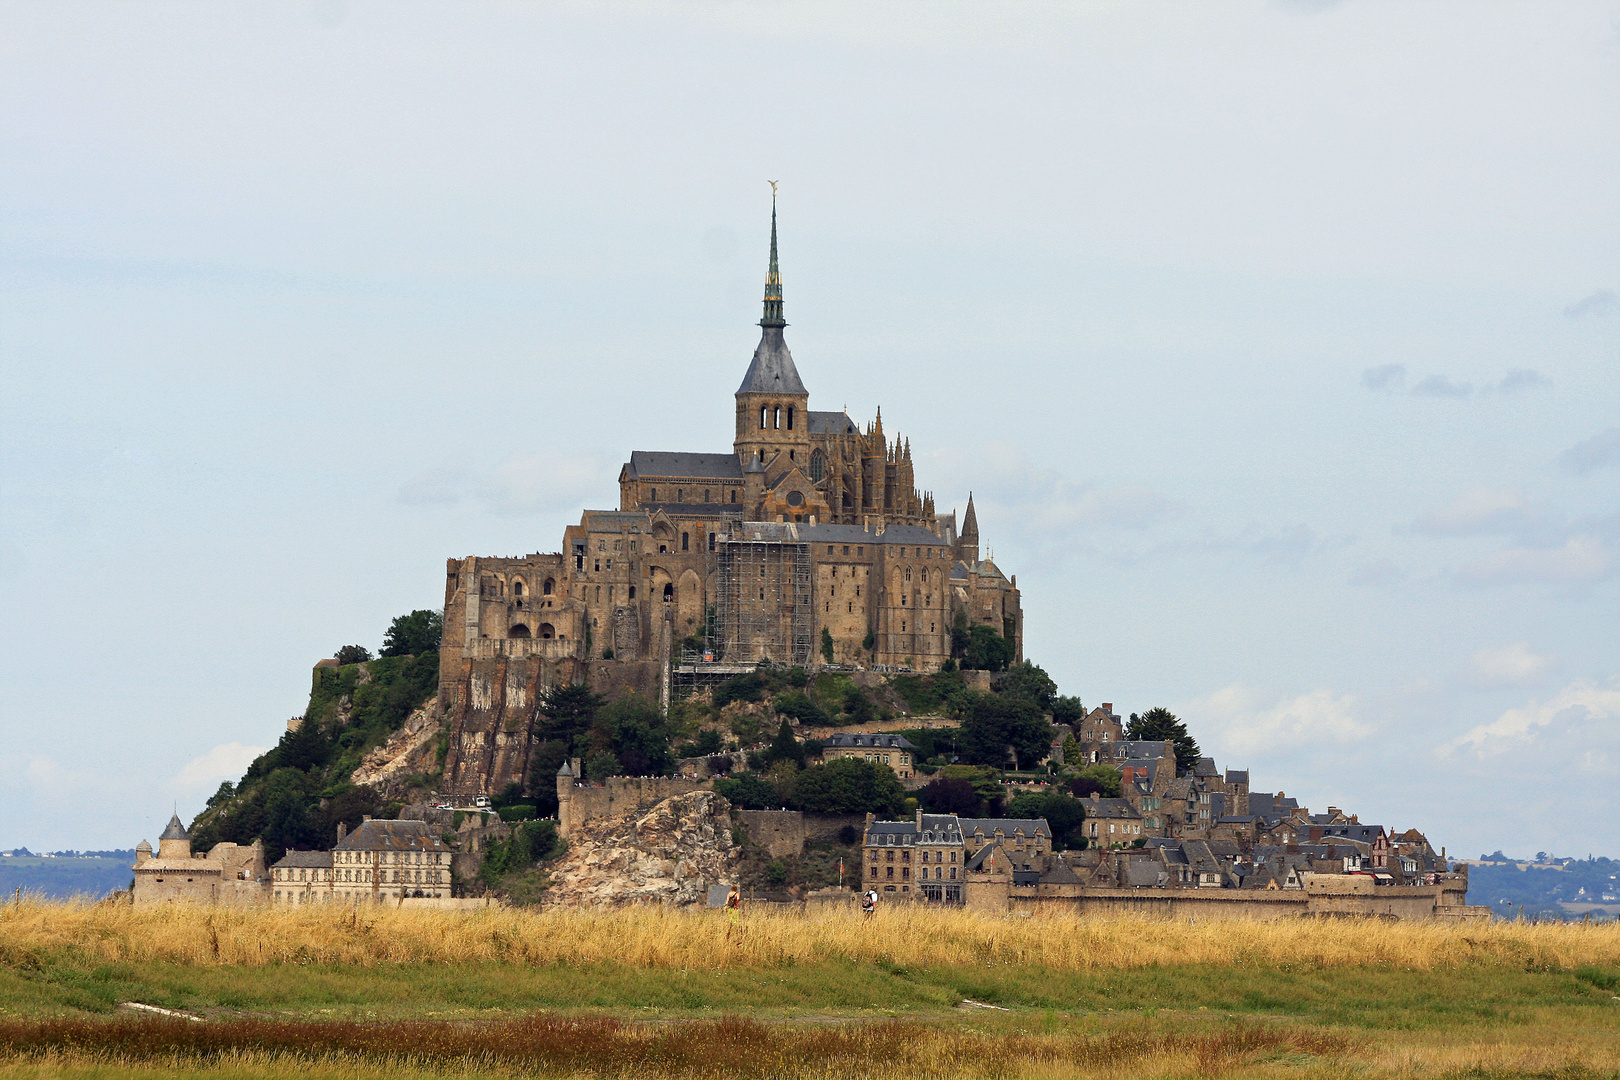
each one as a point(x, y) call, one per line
point(1278, 342)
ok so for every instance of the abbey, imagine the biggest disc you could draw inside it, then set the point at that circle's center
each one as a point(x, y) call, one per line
point(811, 523)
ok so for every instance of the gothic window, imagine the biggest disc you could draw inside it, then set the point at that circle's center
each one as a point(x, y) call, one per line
point(764, 414)
point(517, 588)
point(686, 541)
point(790, 418)
point(548, 586)
point(776, 416)
point(818, 465)
point(652, 494)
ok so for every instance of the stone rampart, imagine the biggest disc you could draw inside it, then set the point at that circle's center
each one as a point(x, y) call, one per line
point(779, 832)
point(617, 797)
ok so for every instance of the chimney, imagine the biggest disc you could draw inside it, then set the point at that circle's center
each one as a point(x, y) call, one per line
point(343, 830)
point(365, 817)
point(1108, 707)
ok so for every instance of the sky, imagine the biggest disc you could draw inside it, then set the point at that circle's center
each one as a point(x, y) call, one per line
point(1277, 342)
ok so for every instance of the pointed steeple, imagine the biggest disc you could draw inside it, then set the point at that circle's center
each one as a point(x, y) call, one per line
point(970, 523)
point(773, 277)
point(772, 370)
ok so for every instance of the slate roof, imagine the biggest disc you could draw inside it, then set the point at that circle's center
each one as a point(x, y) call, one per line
point(855, 534)
point(659, 464)
point(1138, 748)
point(1237, 776)
point(1143, 873)
point(1206, 767)
point(771, 371)
point(688, 510)
point(391, 836)
point(297, 859)
point(879, 740)
point(982, 856)
point(1364, 833)
point(1106, 809)
point(1059, 874)
point(832, 423)
point(174, 830)
point(1008, 826)
point(896, 832)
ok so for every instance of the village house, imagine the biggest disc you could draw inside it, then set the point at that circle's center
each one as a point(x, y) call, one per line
point(380, 860)
point(879, 748)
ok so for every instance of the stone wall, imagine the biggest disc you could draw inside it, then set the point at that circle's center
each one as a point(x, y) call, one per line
point(618, 797)
point(1324, 895)
point(779, 832)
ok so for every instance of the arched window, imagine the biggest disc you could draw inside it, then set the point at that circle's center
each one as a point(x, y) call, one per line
point(517, 587)
point(733, 494)
point(518, 631)
point(669, 594)
point(652, 494)
point(790, 418)
point(818, 465)
point(776, 416)
point(632, 592)
point(546, 631)
point(764, 414)
point(686, 541)
point(548, 586)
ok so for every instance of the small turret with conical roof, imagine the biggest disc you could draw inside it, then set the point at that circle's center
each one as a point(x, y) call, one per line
point(175, 843)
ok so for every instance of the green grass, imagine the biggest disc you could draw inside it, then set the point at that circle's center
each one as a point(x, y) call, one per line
point(1366, 998)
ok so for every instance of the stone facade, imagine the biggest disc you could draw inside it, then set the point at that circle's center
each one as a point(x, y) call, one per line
point(810, 523)
point(380, 860)
point(579, 802)
point(229, 874)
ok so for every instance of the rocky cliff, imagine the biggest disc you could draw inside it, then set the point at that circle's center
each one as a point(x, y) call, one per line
point(671, 854)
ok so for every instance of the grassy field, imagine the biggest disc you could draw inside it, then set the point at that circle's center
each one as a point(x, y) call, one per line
point(662, 994)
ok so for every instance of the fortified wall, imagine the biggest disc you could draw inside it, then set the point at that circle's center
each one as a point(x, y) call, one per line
point(617, 797)
point(1324, 895)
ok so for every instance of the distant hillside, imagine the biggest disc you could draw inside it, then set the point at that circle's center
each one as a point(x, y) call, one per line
point(64, 876)
point(1546, 888)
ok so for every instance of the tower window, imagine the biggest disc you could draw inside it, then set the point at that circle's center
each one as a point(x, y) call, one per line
point(686, 541)
point(669, 593)
point(764, 412)
point(790, 418)
point(776, 417)
point(652, 494)
point(818, 465)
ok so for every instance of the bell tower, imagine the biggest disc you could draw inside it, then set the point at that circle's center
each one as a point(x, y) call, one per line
point(772, 404)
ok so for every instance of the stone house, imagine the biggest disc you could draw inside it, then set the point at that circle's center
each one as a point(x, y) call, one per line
point(1111, 822)
point(380, 860)
point(927, 858)
point(880, 748)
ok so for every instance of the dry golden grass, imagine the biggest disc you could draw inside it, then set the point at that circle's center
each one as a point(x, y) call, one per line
point(667, 938)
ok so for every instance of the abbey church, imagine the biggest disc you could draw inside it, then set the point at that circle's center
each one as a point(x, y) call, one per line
point(809, 531)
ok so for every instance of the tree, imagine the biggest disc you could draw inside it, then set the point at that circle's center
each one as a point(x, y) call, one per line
point(1026, 680)
point(785, 747)
point(1159, 724)
point(995, 726)
point(1063, 814)
point(1067, 710)
point(601, 765)
point(797, 704)
point(352, 654)
point(635, 732)
point(950, 795)
point(826, 645)
point(987, 650)
point(1097, 779)
point(707, 744)
point(567, 712)
point(414, 634)
point(849, 786)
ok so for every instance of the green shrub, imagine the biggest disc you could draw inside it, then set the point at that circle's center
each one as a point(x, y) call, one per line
point(517, 812)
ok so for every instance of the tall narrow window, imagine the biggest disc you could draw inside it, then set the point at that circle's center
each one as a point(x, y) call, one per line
point(790, 418)
point(776, 417)
point(764, 412)
point(686, 541)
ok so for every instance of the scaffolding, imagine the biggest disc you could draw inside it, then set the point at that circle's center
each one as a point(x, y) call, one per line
point(763, 611)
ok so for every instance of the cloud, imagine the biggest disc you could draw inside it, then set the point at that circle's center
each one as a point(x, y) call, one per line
point(1242, 725)
point(1377, 572)
point(1477, 510)
point(1601, 304)
point(1588, 455)
point(1580, 561)
point(1287, 545)
point(1386, 377)
point(1580, 703)
point(535, 483)
point(226, 761)
point(443, 486)
point(1509, 665)
point(1441, 386)
point(1045, 498)
point(1520, 380)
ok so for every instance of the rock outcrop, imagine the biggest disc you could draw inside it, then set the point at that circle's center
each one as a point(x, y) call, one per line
point(672, 854)
point(409, 751)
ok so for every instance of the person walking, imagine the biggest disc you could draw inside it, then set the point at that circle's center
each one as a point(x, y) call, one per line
point(733, 902)
point(869, 901)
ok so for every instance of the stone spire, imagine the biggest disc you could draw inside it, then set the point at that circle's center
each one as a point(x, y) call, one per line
point(967, 541)
point(773, 278)
point(772, 370)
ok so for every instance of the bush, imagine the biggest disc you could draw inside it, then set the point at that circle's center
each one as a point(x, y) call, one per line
point(749, 686)
point(796, 704)
point(414, 634)
point(747, 792)
point(707, 744)
point(517, 812)
point(1063, 813)
point(352, 654)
